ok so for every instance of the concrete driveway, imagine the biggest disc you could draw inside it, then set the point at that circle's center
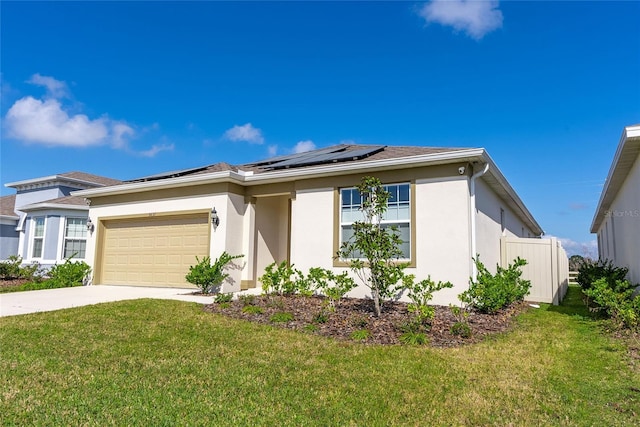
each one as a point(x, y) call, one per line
point(13, 304)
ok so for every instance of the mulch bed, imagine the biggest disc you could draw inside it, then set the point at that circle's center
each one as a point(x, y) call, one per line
point(9, 283)
point(354, 314)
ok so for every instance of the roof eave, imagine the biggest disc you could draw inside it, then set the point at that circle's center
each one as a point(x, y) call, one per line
point(630, 135)
point(247, 178)
point(57, 206)
point(139, 187)
point(44, 179)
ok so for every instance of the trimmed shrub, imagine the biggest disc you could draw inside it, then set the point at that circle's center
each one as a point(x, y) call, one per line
point(209, 276)
point(279, 279)
point(489, 293)
point(590, 272)
point(617, 301)
point(71, 273)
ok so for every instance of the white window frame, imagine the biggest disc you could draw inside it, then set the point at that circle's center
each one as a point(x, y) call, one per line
point(384, 222)
point(66, 238)
point(33, 237)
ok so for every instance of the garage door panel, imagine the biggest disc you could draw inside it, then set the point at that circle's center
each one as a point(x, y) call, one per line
point(153, 251)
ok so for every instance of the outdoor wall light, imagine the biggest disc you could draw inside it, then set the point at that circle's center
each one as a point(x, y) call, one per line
point(215, 219)
point(90, 225)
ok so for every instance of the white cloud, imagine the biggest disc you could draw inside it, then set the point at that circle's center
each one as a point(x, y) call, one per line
point(572, 247)
point(272, 150)
point(45, 122)
point(155, 149)
point(476, 18)
point(303, 146)
point(55, 88)
point(119, 132)
point(246, 133)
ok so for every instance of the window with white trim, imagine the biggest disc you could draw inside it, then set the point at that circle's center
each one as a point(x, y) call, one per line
point(37, 242)
point(75, 238)
point(398, 213)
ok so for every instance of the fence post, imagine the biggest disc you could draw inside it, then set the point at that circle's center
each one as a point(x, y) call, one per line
point(553, 243)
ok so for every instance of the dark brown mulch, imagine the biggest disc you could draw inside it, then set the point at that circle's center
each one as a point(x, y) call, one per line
point(354, 314)
point(12, 282)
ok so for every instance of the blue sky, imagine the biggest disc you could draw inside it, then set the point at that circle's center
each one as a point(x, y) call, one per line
point(128, 89)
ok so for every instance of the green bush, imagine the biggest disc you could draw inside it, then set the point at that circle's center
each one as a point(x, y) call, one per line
point(209, 276)
point(617, 301)
point(420, 294)
point(221, 298)
point(333, 286)
point(590, 272)
point(461, 329)
point(360, 335)
point(489, 293)
point(247, 299)
point(414, 338)
point(252, 309)
point(281, 316)
point(279, 279)
point(12, 268)
point(71, 273)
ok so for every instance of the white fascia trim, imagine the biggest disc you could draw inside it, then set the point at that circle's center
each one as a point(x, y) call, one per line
point(45, 205)
point(52, 178)
point(628, 133)
point(9, 217)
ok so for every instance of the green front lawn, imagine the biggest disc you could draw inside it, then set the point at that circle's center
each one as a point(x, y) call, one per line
point(152, 362)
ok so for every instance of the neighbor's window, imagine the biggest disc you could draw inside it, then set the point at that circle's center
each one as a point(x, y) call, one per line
point(75, 238)
point(398, 213)
point(38, 237)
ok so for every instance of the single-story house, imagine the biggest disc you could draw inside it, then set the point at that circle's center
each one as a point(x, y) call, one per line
point(617, 217)
point(43, 222)
point(448, 203)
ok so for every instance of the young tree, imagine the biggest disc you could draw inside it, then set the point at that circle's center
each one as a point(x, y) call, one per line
point(374, 250)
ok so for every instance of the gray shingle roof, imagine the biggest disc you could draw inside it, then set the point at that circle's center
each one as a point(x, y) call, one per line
point(8, 205)
point(97, 179)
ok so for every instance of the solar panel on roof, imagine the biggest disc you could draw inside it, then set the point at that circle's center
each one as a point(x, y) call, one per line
point(316, 159)
point(168, 174)
point(292, 157)
point(307, 158)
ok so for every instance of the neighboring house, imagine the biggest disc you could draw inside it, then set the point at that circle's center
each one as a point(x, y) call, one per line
point(9, 236)
point(42, 222)
point(448, 204)
point(617, 217)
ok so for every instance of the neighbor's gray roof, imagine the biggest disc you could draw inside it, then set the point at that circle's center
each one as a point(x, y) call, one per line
point(8, 205)
point(97, 179)
point(59, 203)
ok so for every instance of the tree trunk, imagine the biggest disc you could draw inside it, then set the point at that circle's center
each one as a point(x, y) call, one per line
point(376, 302)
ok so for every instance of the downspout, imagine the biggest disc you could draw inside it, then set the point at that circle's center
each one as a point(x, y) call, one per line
point(472, 216)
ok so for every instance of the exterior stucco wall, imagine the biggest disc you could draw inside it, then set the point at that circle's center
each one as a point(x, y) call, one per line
point(489, 227)
point(442, 233)
point(619, 234)
point(233, 241)
point(175, 205)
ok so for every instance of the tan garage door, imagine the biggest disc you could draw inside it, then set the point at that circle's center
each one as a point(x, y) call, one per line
point(154, 251)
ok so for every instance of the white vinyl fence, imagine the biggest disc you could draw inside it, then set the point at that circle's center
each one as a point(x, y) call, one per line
point(547, 266)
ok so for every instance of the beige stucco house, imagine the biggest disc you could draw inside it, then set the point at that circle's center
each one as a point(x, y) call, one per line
point(449, 204)
point(617, 217)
